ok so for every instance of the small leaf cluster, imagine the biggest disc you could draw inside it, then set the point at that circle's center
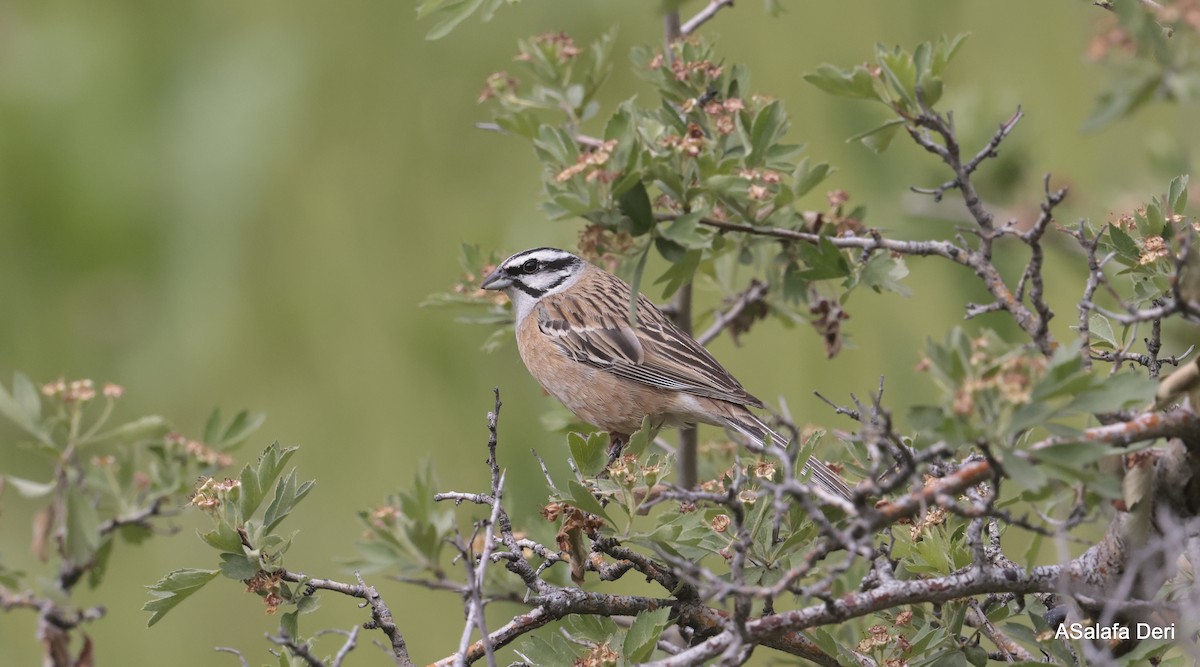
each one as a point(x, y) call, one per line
point(625, 497)
point(1152, 53)
point(624, 486)
point(103, 480)
point(710, 149)
point(1146, 242)
point(447, 14)
point(999, 396)
point(557, 83)
point(679, 175)
point(409, 532)
point(907, 83)
point(246, 514)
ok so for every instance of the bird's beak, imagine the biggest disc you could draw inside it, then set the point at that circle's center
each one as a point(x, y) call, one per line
point(496, 280)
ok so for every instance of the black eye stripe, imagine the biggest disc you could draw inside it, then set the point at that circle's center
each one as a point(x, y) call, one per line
point(515, 269)
point(557, 264)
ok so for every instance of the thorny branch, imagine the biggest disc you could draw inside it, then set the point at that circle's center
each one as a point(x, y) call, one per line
point(691, 587)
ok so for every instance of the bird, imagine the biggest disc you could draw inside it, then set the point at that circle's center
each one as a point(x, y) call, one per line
point(576, 337)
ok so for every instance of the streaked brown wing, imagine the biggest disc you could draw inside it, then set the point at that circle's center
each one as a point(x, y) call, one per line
point(656, 353)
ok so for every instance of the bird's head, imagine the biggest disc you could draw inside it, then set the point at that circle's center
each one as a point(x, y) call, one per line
point(532, 274)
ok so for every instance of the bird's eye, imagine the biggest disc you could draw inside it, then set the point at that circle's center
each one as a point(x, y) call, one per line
point(530, 266)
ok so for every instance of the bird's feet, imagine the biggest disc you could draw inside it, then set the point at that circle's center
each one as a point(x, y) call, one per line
point(616, 444)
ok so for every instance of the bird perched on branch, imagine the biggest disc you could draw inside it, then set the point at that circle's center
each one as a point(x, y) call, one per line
point(575, 335)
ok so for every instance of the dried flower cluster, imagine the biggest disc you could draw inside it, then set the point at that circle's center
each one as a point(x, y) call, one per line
point(266, 585)
point(212, 493)
point(80, 391)
point(590, 162)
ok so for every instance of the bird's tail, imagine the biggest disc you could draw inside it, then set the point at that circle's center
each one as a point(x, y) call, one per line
point(753, 428)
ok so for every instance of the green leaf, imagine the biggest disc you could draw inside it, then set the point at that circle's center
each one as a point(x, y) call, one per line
point(524, 123)
point(583, 499)
point(223, 537)
point(135, 533)
point(26, 396)
point(212, 427)
point(620, 123)
point(449, 15)
point(900, 72)
point(1100, 327)
point(944, 52)
point(255, 481)
point(1125, 95)
point(138, 430)
point(29, 488)
point(1177, 195)
point(884, 272)
point(238, 566)
point(1032, 551)
point(921, 58)
point(635, 284)
point(1154, 217)
point(1077, 454)
point(288, 494)
point(289, 624)
point(635, 204)
point(1033, 413)
point(590, 454)
point(951, 658)
point(100, 563)
point(643, 635)
point(680, 273)
point(640, 440)
point(976, 655)
point(1065, 376)
point(21, 416)
point(1115, 392)
point(1025, 474)
point(687, 232)
point(548, 650)
point(1127, 249)
point(244, 424)
point(597, 629)
point(955, 614)
point(308, 604)
point(824, 640)
point(83, 526)
point(173, 589)
point(855, 84)
point(879, 138)
point(805, 178)
point(768, 128)
point(824, 261)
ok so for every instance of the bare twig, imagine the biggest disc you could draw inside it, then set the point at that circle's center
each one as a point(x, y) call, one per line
point(381, 616)
point(72, 572)
point(752, 295)
point(476, 567)
point(704, 16)
point(298, 649)
point(347, 646)
point(241, 657)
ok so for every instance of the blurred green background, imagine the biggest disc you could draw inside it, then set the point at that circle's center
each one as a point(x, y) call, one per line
point(242, 204)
